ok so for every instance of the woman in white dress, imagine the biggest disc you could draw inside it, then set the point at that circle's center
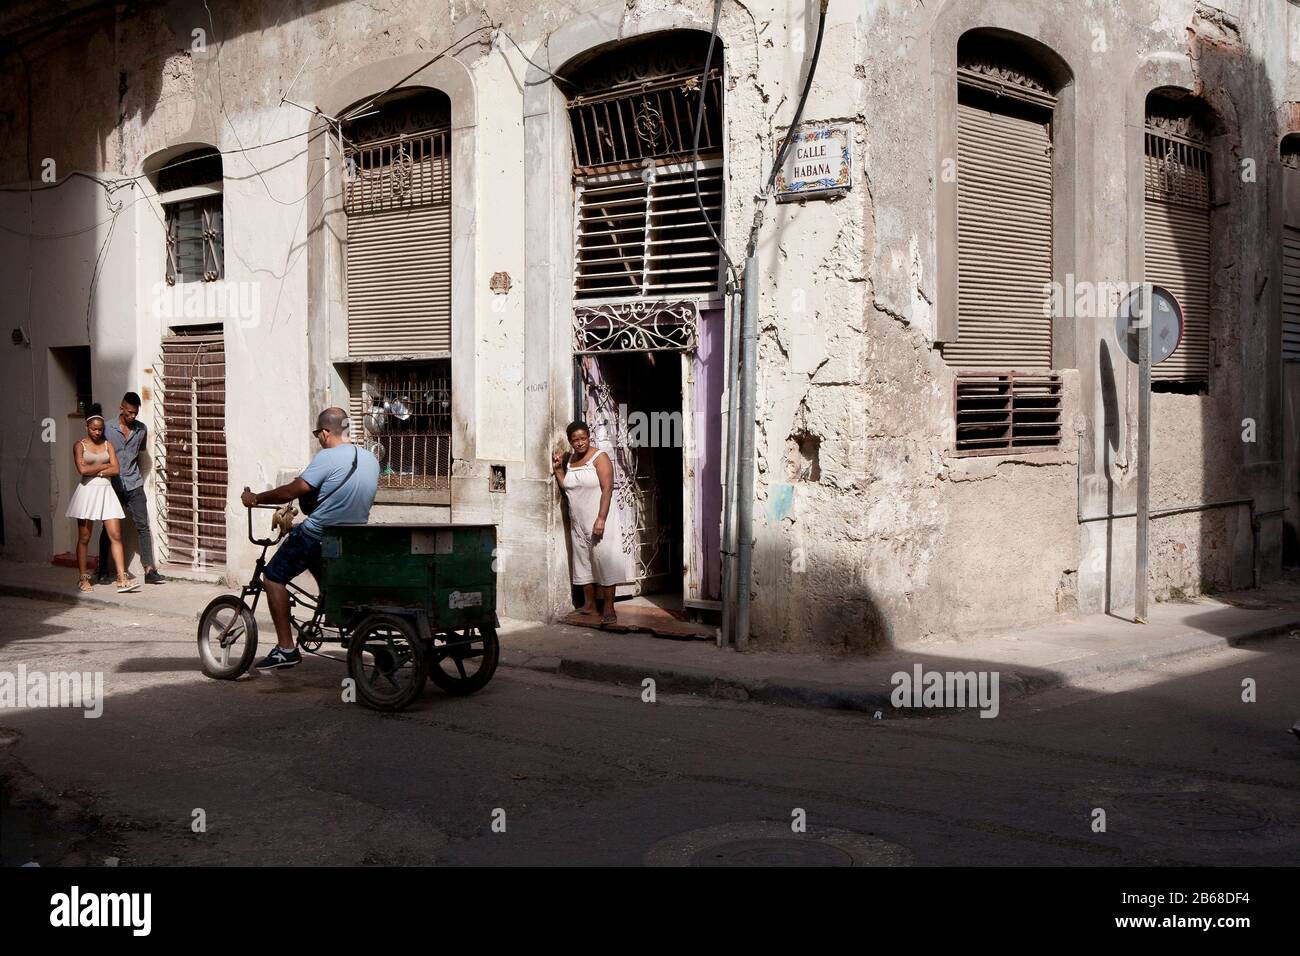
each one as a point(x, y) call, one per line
point(95, 500)
point(587, 477)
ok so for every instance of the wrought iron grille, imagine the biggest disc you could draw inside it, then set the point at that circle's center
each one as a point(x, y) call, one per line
point(1002, 412)
point(402, 414)
point(398, 173)
point(1177, 170)
point(648, 120)
point(195, 243)
point(640, 326)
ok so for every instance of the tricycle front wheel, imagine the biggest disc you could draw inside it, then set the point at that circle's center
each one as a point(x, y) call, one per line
point(227, 638)
point(464, 661)
point(387, 661)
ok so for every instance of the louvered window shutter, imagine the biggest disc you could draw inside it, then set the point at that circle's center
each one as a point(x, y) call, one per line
point(1004, 240)
point(1177, 248)
point(1291, 294)
point(399, 247)
point(649, 238)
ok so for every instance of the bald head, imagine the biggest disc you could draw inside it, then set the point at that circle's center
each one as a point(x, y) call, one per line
point(333, 420)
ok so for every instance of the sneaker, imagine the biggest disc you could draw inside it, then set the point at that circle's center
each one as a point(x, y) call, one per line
point(103, 579)
point(279, 657)
point(153, 577)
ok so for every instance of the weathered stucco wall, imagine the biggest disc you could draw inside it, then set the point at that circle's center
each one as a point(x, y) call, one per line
point(897, 539)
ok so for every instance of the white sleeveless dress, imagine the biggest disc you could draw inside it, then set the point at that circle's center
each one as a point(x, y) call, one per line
point(604, 562)
point(94, 498)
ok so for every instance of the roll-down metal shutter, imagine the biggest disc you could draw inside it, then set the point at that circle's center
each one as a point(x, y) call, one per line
point(1177, 247)
point(398, 205)
point(1291, 294)
point(399, 281)
point(1004, 241)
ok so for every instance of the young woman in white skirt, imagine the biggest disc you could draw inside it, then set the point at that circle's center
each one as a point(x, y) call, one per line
point(95, 500)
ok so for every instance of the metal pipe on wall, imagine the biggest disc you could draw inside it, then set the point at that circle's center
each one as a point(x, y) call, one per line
point(745, 462)
point(728, 538)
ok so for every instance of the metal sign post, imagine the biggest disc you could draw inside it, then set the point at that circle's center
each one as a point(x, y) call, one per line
point(1149, 327)
point(1144, 457)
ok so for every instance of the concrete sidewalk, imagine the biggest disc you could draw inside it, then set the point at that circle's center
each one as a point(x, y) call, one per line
point(1026, 660)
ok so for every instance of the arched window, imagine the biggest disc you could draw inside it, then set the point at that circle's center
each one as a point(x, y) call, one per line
point(397, 200)
point(1178, 197)
point(640, 230)
point(1007, 99)
point(1005, 106)
point(189, 187)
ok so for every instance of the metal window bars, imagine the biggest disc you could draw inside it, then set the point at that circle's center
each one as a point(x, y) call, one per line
point(410, 169)
point(195, 240)
point(653, 120)
point(999, 413)
point(1177, 170)
point(405, 421)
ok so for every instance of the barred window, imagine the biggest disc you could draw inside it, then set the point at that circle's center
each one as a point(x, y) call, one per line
point(195, 240)
point(401, 412)
point(190, 191)
point(642, 231)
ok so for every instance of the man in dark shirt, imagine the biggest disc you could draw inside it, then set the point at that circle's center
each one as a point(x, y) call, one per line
point(128, 437)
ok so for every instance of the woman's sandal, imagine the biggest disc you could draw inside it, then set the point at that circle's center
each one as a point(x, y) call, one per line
point(84, 585)
point(127, 584)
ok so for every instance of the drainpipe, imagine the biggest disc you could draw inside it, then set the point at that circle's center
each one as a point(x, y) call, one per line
point(1256, 519)
point(729, 484)
point(745, 464)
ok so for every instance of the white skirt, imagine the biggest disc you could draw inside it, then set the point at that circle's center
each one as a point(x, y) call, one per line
point(95, 499)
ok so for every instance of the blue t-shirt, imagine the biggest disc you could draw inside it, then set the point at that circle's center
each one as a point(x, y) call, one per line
point(350, 503)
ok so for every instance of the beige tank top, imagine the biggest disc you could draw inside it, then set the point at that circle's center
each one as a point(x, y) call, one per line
point(93, 457)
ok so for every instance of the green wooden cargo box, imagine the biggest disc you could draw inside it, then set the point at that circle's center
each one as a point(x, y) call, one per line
point(445, 570)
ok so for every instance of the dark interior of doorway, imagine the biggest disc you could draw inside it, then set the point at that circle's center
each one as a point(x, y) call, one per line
point(648, 387)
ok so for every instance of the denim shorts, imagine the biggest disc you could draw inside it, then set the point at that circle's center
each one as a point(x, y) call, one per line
point(297, 553)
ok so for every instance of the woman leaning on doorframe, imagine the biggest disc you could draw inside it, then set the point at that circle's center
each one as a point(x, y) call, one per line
point(94, 500)
point(586, 477)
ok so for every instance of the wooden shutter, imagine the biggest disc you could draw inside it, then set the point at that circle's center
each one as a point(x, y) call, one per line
point(1291, 294)
point(648, 238)
point(1004, 240)
point(398, 204)
point(1177, 247)
point(192, 472)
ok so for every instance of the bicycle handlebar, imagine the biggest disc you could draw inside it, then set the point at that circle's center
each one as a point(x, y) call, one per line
point(262, 542)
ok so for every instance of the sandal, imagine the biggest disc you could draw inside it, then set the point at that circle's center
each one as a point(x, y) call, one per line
point(84, 585)
point(127, 584)
point(607, 619)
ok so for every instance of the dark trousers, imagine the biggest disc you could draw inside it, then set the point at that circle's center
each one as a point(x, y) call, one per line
point(136, 508)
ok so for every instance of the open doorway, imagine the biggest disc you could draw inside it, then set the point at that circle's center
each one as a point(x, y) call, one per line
point(633, 403)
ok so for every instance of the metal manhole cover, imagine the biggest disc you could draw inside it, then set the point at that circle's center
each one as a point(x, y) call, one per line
point(772, 843)
point(779, 851)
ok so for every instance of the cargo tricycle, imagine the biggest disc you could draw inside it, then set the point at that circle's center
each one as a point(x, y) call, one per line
point(409, 603)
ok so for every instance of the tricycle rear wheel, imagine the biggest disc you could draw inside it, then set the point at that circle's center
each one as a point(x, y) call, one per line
point(227, 618)
point(451, 663)
point(387, 661)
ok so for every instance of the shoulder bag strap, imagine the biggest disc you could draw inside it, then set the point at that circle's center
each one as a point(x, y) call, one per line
point(321, 500)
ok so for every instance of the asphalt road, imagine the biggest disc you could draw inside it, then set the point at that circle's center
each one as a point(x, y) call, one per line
point(284, 772)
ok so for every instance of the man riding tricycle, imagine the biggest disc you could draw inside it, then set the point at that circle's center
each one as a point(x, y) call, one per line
point(409, 603)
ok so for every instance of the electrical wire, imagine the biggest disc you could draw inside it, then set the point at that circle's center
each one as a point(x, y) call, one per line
point(352, 113)
point(499, 28)
point(695, 144)
point(779, 158)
